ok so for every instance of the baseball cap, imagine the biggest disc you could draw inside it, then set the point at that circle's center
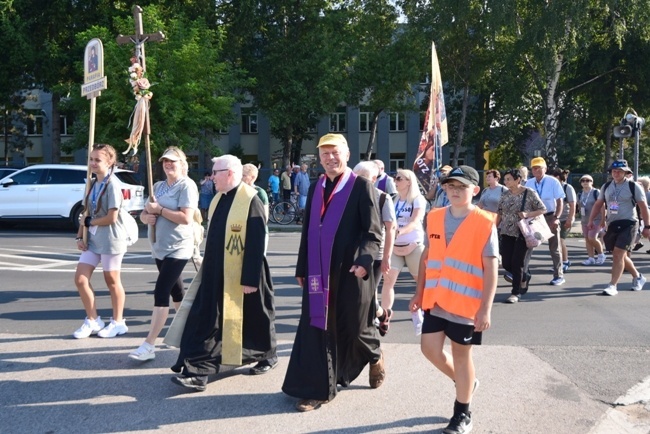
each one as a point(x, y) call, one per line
point(620, 164)
point(173, 154)
point(332, 139)
point(465, 174)
point(538, 161)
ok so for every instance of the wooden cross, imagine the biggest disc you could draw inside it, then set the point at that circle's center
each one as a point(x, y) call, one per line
point(139, 38)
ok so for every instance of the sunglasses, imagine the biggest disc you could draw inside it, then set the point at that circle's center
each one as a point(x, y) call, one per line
point(214, 172)
point(400, 178)
point(585, 180)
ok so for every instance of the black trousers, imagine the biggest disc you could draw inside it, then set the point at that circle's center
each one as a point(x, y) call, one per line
point(514, 257)
point(169, 281)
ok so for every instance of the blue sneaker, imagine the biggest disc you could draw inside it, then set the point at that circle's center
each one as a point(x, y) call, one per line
point(565, 266)
point(557, 281)
point(508, 277)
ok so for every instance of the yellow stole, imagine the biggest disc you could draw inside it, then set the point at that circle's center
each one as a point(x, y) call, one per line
point(233, 295)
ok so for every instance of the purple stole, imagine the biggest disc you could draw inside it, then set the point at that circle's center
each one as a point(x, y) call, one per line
point(382, 183)
point(321, 241)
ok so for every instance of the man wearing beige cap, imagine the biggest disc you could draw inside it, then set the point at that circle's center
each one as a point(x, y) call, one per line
point(550, 191)
point(336, 336)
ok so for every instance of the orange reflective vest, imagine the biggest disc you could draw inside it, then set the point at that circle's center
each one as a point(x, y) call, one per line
point(454, 272)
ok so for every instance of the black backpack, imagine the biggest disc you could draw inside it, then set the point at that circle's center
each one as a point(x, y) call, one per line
point(630, 184)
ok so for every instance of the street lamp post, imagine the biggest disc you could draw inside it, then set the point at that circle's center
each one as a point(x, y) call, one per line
point(630, 125)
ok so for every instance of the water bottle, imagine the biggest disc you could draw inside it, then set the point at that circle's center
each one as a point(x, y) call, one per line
point(418, 318)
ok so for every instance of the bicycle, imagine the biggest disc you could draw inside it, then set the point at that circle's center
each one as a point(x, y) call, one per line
point(284, 212)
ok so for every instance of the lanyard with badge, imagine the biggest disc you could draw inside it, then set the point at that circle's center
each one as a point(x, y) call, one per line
point(613, 205)
point(584, 197)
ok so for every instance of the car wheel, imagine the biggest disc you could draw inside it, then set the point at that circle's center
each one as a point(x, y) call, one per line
point(76, 215)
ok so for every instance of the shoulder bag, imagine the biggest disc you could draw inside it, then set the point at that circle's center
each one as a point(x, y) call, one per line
point(535, 230)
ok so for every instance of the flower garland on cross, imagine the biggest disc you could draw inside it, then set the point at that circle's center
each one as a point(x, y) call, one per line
point(140, 85)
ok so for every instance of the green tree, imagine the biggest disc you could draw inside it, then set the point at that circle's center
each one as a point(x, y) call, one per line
point(548, 40)
point(194, 90)
point(468, 53)
point(297, 54)
point(385, 62)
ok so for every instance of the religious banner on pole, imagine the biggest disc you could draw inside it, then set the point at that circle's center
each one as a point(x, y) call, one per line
point(94, 79)
point(434, 134)
point(94, 83)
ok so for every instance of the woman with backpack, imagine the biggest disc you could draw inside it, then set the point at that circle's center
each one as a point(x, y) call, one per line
point(410, 207)
point(106, 242)
point(588, 197)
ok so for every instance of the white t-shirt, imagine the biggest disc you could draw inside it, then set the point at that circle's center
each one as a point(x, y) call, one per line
point(403, 212)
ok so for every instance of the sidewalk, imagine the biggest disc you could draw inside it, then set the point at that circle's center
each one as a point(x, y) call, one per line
point(57, 384)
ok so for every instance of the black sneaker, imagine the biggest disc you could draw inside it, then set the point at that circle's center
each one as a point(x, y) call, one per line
point(197, 383)
point(461, 423)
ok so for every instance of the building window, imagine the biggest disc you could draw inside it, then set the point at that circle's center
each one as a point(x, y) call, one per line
point(35, 125)
point(337, 121)
point(397, 161)
point(248, 122)
point(65, 125)
point(397, 121)
point(364, 121)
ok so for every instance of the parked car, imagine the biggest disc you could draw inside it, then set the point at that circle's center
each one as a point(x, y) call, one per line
point(6, 171)
point(55, 192)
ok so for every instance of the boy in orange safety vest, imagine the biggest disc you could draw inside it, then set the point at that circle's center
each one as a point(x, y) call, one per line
point(456, 286)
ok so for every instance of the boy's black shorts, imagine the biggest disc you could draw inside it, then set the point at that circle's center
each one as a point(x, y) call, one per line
point(460, 333)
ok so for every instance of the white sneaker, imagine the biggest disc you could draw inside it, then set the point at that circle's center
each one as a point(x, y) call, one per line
point(600, 260)
point(113, 329)
point(637, 284)
point(590, 261)
point(89, 327)
point(610, 290)
point(144, 352)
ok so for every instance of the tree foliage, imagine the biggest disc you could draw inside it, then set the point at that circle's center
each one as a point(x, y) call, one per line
point(194, 90)
point(521, 76)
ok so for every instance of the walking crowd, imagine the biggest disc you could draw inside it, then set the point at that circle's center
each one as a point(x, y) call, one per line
point(359, 227)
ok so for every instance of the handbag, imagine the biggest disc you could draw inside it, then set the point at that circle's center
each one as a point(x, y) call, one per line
point(535, 230)
point(404, 250)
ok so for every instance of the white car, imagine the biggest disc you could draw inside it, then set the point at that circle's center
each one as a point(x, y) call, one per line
point(55, 192)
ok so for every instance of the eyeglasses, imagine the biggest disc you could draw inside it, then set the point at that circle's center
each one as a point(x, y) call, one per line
point(214, 172)
point(457, 187)
point(585, 180)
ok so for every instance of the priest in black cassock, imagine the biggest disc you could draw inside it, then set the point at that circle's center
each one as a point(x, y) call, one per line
point(336, 335)
point(227, 316)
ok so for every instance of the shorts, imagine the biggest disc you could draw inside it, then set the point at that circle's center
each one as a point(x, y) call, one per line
point(590, 233)
point(412, 260)
point(460, 333)
point(109, 262)
point(620, 234)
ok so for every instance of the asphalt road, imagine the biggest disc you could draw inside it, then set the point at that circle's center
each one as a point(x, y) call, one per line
point(600, 344)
